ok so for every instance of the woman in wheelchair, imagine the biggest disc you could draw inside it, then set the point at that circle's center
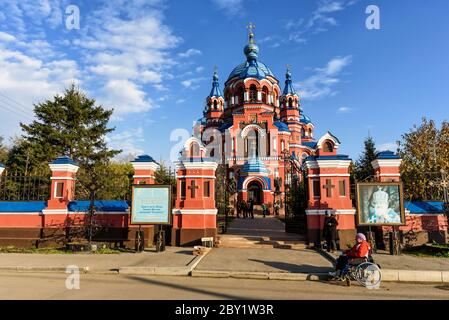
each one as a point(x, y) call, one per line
point(358, 254)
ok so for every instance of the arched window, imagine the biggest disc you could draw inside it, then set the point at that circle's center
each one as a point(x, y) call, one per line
point(282, 145)
point(265, 94)
point(252, 93)
point(252, 144)
point(240, 95)
point(290, 102)
point(194, 150)
point(215, 104)
point(303, 133)
point(328, 147)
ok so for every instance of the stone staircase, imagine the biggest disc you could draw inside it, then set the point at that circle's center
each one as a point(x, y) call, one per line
point(237, 241)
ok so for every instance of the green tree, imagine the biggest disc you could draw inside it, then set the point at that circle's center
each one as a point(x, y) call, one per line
point(424, 151)
point(3, 151)
point(163, 176)
point(363, 169)
point(72, 125)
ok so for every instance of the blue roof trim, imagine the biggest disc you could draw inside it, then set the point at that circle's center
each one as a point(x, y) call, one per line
point(419, 207)
point(22, 206)
point(242, 180)
point(387, 154)
point(100, 205)
point(63, 160)
point(143, 158)
point(336, 157)
point(198, 159)
point(281, 126)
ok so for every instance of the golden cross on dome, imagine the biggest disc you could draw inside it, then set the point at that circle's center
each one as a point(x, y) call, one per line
point(250, 28)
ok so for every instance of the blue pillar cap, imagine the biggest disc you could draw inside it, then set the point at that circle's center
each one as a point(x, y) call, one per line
point(64, 160)
point(387, 154)
point(144, 158)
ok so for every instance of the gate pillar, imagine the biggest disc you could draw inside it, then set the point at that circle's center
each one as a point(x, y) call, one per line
point(329, 191)
point(386, 166)
point(195, 213)
point(144, 168)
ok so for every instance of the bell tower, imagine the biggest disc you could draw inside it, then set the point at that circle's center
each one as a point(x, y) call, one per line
point(290, 113)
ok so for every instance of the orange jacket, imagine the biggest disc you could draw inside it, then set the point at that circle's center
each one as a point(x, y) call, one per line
point(360, 250)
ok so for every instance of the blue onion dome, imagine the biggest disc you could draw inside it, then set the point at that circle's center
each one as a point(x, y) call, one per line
point(251, 68)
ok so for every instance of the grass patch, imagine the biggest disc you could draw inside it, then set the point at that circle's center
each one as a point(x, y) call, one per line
point(429, 250)
point(12, 249)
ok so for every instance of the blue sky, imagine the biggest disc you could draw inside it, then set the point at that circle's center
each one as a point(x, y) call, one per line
point(152, 61)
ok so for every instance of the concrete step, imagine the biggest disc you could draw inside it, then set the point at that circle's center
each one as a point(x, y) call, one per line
point(258, 242)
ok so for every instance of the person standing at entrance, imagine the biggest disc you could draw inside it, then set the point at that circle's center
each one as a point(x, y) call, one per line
point(239, 208)
point(264, 209)
point(244, 209)
point(330, 233)
point(251, 208)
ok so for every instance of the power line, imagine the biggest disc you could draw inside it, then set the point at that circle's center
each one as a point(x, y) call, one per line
point(17, 104)
point(16, 112)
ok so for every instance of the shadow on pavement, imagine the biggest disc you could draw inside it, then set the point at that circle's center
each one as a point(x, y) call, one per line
point(186, 288)
point(297, 268)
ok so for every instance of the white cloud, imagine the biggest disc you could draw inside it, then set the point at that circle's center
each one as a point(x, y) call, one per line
point(26, 80)
point(127, 141)
point(319, 20)
point(180, 101)
point(230, 7)
point(192, 83)
point(125, 97)
point(344, 110)
point(6, 37)
point(199, 69)
point(322, 82)
point(189, 53)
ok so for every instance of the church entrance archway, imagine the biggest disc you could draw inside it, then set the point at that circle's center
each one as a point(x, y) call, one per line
point(255, 192)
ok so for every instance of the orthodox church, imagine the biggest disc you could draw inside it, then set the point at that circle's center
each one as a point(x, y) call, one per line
point(254, 125)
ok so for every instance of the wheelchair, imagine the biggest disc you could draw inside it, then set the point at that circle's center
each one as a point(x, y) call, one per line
point(364, 271)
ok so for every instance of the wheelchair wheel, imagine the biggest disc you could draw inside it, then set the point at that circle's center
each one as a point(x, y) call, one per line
point(368, 275)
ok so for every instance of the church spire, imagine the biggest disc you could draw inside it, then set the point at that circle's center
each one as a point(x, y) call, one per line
point(215, 91)
point(288, 89)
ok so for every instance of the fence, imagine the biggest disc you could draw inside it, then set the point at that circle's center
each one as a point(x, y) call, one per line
point(20, 187)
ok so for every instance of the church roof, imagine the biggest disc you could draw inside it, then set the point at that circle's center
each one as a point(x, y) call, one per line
point(304, 119)
point(288, 89)
point(215, 91)
point(253, 165)
point(281, 126)
point(255, 69)
point(310, 144)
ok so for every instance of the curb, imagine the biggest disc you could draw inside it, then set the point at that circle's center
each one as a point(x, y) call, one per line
point(25, 269)
point(260, 275)
point(164, 271)
point(393, 275)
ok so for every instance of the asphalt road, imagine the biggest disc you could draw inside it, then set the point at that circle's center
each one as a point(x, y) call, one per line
point(98, 286)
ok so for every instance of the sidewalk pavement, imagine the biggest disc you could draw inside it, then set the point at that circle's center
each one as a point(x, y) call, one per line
point(173, 261)
point(407, 268)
